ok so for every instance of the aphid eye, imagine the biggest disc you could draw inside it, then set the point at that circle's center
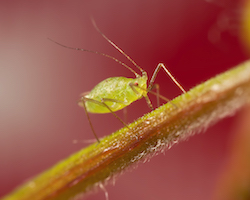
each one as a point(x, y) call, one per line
point(136, 84)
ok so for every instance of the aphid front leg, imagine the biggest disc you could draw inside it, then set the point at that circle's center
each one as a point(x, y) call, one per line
point(157, 94)
point(159, 66)
point(133, 86)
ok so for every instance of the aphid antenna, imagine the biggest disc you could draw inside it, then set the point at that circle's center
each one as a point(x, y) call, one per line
point(119, 49)
point(96, 52)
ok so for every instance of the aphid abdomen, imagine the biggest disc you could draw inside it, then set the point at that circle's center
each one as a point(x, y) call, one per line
point(115, 92)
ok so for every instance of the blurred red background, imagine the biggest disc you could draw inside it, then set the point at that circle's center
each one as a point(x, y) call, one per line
point(40, 83)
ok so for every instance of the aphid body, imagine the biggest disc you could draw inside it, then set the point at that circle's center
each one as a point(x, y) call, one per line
point(117, 92)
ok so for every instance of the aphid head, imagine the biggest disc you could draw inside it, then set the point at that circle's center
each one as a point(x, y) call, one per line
point(140, 85)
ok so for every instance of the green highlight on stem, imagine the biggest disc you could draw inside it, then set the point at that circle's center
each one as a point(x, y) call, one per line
point(195, 111)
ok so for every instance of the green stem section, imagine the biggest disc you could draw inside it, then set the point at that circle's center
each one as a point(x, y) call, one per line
point(184, 116)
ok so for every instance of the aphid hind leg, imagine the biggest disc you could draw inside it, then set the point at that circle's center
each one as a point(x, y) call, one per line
point(159, 66)
point(84, 99)
point(116, 116)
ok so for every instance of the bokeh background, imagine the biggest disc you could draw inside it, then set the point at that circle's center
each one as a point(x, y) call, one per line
point(40, 83)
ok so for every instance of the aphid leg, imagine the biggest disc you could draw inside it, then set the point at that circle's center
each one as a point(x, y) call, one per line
point(160, 96)
point(159, 66)
point(157, 94)
point(157, 87)
point(104, 190)
point(125, 114)
point(132, 85)
point(83, 99)
point(113, 100)
point(102, 103)
point(148, 102)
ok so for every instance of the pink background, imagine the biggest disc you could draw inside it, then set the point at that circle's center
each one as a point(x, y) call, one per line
point(40, 83)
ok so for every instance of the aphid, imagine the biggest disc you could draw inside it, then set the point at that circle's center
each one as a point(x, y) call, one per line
point(116, 93)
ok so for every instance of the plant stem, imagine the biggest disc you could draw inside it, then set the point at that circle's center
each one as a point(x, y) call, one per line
point(186, 115)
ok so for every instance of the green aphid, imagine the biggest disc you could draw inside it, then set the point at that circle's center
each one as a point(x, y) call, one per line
point(116, 93)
